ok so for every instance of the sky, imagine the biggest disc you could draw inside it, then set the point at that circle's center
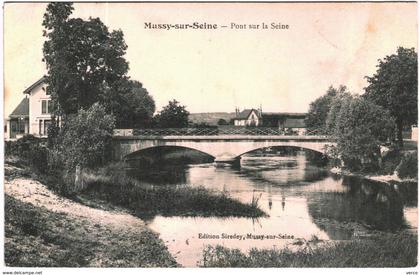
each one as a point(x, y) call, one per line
point(218, 70)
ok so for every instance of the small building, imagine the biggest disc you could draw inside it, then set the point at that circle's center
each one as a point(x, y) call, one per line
point(248, 117)
point(32, 115)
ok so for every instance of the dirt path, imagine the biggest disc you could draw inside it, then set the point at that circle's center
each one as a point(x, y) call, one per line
point(31, 191)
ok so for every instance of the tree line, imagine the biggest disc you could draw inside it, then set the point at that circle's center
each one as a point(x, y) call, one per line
point(360, 124)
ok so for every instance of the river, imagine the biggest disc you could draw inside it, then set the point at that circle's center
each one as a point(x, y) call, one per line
point(302, 201)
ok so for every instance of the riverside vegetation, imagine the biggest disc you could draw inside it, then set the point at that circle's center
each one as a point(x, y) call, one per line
point(112, 184)
point(387, 250)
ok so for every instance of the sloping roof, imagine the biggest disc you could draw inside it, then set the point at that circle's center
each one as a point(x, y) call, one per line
point(245, 114)
point(33, 86)
point(22, 109)
point(294, 123)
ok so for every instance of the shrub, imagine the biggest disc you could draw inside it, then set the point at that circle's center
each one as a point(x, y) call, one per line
point(408, 166)
point(31, 150)
point(390, 162)
point(86, 138)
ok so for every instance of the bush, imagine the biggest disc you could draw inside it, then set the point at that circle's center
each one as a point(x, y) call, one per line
point(390, 162)
point(408, 166)
point(86, 138)
point(31, 150)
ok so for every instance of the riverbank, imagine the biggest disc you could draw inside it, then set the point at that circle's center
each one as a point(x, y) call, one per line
point(43, 229)
point(388, 179)
point(386, 250)
point(396, 166)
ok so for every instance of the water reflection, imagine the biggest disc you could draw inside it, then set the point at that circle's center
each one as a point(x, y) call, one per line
point(301, 200)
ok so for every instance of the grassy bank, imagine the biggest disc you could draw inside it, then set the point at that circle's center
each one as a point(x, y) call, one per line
point(35, 236)
point(113, 185)
point(146, 200)
point(43, 229)
point(383, 251)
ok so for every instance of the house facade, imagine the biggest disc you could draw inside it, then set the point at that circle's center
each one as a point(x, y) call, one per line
point(32, 115)
point(248, 117)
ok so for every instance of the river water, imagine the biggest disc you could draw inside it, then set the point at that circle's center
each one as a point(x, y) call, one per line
point(302, 201)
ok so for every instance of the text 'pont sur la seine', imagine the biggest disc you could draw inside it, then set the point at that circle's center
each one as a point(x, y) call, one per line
point(208, 26)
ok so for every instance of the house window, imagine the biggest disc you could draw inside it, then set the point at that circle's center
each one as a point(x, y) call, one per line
point(46, 107)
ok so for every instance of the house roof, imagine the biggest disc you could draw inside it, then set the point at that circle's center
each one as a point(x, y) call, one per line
point(245, 114)
point(294, 123)
point(33, 86)
point(22, 109)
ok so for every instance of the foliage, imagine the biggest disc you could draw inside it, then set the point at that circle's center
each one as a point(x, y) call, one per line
point(31, 150)
point(80, 57)
point(361, 127)
point(222, 122)
point(386, 250)
point(318, 110)
point(408, 166)
point(202, 125)
point(129, 102)
point(390, 161)
point(172, 115)
point(85, 138)
point(394, 87)
point(335, 106)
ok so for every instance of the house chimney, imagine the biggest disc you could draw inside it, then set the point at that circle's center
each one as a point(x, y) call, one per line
point(236, 111)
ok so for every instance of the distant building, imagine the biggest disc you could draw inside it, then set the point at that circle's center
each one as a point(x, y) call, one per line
point(32, 115)
point(248, 117)
point(289, 122)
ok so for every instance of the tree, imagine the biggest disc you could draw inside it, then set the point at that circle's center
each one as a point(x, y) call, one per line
point(222, 122)
point(336, 103)
point(85, 138)
point(130, 103)
point(80, 57)
point(318, 110)
point(172, 115)
point(361, 127)
point(394, 87)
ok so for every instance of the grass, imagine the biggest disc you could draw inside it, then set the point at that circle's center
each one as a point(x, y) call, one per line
point(37, 237)
point(113, 185)
point(388, 250)
point(146, 200)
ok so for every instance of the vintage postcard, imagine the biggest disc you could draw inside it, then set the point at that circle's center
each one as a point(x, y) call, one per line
point(210, 134)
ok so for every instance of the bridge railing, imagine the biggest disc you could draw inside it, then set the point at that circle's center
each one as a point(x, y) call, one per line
point(254, 131)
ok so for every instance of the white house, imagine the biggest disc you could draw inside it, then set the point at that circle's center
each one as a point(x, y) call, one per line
point(248, 117)
point(32, 115)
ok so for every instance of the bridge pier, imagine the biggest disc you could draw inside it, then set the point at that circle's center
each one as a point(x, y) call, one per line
point(232, 161)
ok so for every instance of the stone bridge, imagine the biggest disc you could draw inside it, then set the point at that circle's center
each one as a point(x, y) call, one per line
point(224, 148)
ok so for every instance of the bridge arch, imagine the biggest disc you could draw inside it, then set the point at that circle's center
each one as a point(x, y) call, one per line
point(163, 147)
point(308, 148)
